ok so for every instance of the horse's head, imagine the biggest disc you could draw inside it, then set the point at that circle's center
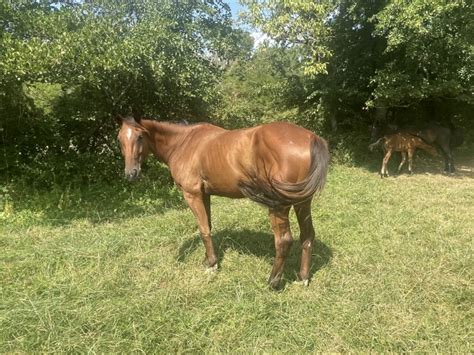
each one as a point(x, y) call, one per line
point(134, 142)
point(375, 132)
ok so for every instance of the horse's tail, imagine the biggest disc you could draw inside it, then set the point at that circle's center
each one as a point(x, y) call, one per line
point(279, 194)
point(314, 182)
point(379, 142)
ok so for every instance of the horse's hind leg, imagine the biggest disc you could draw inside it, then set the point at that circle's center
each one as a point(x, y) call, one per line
point(404, 159)
point(283, 240)
point(303, 214)
point(386, 159)
point(448, 158)
point(411, 152)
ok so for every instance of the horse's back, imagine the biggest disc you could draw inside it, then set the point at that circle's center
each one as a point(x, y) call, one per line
point(269, 147)
point(248, 162)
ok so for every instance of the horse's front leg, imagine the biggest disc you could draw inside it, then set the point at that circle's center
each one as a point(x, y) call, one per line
point(283, 240)
point(200, 204)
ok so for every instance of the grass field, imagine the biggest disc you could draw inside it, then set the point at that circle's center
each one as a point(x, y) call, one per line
point(118, 269)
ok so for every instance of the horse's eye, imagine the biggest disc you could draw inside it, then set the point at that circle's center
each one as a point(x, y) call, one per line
point(140, 137)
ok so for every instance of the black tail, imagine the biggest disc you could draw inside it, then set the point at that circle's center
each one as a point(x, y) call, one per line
point(279, 194)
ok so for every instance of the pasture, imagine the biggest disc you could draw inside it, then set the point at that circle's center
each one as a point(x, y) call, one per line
point(117, 268)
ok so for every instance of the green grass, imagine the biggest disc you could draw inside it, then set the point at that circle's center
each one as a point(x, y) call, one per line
point(118, 269)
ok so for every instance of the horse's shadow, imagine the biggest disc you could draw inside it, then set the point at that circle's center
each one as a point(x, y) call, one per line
point(261, 245)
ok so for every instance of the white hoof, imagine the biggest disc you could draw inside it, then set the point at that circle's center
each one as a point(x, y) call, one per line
point(305, 283)
point(211, 270)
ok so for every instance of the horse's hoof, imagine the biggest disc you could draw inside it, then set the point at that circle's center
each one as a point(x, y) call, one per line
point(305, 283)
point(274, 283)
point(211, 269)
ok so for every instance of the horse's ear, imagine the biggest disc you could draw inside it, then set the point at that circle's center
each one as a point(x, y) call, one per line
point(118, 118)
point(137, 115)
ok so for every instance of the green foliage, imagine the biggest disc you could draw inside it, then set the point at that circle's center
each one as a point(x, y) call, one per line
point(65, 67)
point(329, 65)
point(366, 54)
point(266, 87)
point(299, 23)
point(429, 51)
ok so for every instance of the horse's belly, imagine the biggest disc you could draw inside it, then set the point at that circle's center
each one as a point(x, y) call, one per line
point(222, 188)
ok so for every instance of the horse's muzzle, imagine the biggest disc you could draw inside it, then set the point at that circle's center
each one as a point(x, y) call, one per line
point(132, 175)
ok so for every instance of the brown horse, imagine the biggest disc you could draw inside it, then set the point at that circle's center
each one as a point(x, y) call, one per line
point(404, 143)
point(278, 165)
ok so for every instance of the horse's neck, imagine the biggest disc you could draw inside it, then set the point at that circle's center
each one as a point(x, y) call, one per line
point(165, 137)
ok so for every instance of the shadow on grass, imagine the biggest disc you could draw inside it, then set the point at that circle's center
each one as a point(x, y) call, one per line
point(259, 244)
point(423, 164)
point(95, 203)
point(353, 149)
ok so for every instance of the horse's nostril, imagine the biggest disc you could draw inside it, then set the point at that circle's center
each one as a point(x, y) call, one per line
point(131, 174)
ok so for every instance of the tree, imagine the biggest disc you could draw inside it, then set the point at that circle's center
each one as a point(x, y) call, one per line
point(300, 24)
point(266, 87)
point(429, 52)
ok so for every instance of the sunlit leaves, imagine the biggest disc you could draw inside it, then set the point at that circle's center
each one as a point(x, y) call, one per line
point(136, 53)
point(297, 23)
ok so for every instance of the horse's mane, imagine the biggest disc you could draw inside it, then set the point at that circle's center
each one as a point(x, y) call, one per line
point(182, 122)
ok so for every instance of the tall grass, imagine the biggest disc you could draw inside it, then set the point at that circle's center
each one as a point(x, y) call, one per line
point(118, 269)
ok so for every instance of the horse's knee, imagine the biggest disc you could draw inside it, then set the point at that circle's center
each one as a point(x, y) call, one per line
point(284, 243)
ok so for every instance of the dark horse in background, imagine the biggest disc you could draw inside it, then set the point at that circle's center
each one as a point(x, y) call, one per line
point(278, 165)
point(444, 138)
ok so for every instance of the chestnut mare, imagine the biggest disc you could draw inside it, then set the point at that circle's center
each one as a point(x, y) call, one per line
point(278, 165)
